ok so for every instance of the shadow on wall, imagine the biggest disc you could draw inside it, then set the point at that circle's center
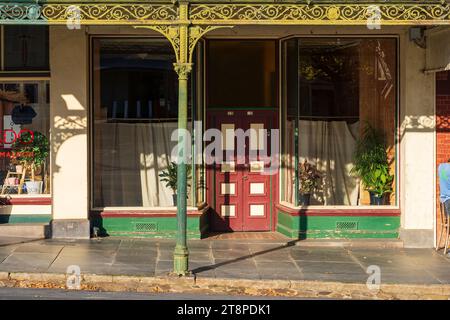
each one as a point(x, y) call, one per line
point(67, 133)
point(302, 227)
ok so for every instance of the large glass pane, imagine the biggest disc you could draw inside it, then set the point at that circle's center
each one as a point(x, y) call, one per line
point(24, 138)
point(26, 48)
point(135, 114)
point(241, 73)
point(344, 86)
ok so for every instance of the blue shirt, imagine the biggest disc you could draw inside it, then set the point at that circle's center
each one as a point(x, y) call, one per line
point(444, 181)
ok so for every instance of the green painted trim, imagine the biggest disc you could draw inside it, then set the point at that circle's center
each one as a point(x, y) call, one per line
point(25, 218)
point(164, 227)
point(317, 227)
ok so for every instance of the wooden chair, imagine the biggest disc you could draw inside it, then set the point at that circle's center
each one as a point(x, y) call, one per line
point(444, 228)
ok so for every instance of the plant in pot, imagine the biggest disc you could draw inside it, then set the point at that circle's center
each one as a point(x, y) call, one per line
point(309, 178)
point(32, 150)
point(371, 165)
point(169, 176)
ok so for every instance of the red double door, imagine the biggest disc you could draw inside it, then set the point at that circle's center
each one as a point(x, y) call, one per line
point(241, 186)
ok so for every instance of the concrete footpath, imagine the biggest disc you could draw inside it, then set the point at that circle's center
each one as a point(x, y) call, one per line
point(235, 267)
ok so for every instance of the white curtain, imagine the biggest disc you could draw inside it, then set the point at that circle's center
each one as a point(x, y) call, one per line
point(330, 146)
point(131, 158)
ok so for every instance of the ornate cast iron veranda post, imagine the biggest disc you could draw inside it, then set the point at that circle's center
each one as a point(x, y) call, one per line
point(181, 253)
point(183, 69)
point(188, 38)
point(178, 35)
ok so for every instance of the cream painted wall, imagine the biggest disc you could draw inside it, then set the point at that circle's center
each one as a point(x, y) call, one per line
point(18, 209)
point(68, 113)
point(417, 130)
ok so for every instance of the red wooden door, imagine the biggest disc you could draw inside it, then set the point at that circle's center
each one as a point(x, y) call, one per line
point(240, 192)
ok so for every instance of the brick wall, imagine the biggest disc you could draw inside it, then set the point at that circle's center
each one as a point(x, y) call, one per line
point(442, 126)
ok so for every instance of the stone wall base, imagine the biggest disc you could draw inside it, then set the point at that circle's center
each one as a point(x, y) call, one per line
point(417, 238)
point(70, 229)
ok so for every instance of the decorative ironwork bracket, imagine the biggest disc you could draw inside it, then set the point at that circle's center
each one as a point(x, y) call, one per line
point(171, 33)
point(174, 35)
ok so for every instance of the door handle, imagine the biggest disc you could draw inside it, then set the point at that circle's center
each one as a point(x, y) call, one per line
point(245, 178)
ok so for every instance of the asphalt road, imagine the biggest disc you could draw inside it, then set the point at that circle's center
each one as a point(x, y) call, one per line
point(56, 294)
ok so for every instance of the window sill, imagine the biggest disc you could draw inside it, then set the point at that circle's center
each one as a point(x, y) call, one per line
point(26, 199)
point(139, 212)
point(338, 210)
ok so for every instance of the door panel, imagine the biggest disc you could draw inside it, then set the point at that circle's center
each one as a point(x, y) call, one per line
point(242, 193)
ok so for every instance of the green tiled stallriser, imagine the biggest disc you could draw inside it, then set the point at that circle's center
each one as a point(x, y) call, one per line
point(158, 227)
point(325, 227)
point(25, 218)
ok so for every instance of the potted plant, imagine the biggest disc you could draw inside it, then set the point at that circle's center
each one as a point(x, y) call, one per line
point(170, 177)
point(309, 178)
point(371, 165)
point(32, 151)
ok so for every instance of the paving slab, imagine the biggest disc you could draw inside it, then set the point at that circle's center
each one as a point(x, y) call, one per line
point(338, 255)
point(330, 267)
point(25, 261)
point(281, 270)
point(8, 241)
point(336, 277)
point(39, 248)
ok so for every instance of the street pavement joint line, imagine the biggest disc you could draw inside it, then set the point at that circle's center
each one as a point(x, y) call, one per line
point(56, 257)
point(433, 276)
point(355, 259)
point(21, 242)
point(115, 252)
point(9, 254)
point(442, 256)
point(296, 265)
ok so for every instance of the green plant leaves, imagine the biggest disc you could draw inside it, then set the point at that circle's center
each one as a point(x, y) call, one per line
point(309, 177)
point(32, 149)
point(170, 175)
point(371, 163)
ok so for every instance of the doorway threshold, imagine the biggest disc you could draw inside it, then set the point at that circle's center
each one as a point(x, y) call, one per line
point(253, 235)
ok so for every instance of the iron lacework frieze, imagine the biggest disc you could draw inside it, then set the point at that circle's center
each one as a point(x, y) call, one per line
point(221, 13)
point(94, 13)
point(330, 13)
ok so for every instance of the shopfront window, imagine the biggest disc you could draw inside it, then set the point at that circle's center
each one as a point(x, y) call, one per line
point(24, 110)
point(24, 139)
point(135, 110)
point(335, 91)
point(25, 48)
